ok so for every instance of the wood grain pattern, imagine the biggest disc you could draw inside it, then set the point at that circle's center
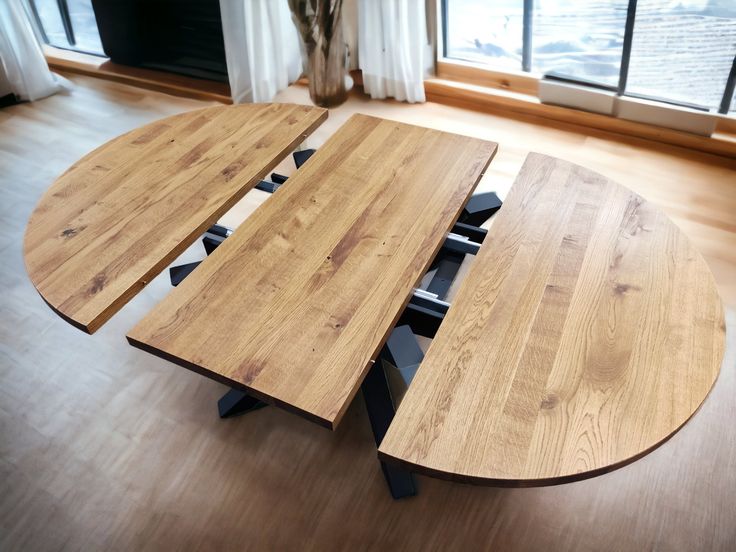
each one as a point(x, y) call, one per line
point(297, 302)
point(123, 212)
point(587, 332)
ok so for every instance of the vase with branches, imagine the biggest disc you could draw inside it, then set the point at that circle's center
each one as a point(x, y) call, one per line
point(320, 26)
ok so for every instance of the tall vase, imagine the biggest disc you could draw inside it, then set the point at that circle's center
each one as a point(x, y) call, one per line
point(327, 68)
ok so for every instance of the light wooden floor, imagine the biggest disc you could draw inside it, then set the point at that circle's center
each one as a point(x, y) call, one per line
point(105, 447)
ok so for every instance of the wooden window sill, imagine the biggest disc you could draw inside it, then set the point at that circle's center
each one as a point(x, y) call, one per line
point(512, 103)
point(509, 94)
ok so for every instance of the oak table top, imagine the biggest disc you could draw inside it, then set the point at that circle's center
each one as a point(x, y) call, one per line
point(123, 212)
point(296, 304)
point(586, 333)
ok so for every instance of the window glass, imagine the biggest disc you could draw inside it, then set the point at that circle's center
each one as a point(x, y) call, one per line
point(85, 26)
point(489, 32)
point(48, 13)
point(683, 50)
point(579, 39)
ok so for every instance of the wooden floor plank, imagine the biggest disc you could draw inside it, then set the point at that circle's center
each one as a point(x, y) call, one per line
point(118, 216)
point(297, 302)
point(103, 446)
point(586, 333)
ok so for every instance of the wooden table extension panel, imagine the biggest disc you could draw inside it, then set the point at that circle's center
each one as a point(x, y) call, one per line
point(586, 331)
point(296, 304)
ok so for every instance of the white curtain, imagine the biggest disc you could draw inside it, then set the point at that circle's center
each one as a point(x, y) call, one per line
point(261, 48)
point(394, 50)
point(23, 65)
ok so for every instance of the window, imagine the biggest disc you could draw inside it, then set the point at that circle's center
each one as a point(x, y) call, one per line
point(583, 40)
point(682, 51)
point(485, 32)
point(68, 24)
point(677, 51)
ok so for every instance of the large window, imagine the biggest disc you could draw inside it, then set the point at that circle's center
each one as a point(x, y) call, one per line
point(678, 51)
point(68, 24)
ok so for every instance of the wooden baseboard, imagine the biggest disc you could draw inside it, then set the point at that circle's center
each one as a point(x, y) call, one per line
point(170, 83)
point(471, 73)
point(727, 126)
point(515, 104)
point(511, 103)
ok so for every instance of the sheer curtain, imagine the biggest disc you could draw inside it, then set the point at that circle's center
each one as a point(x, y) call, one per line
point(394, 50)
point(22, 62)
point(261, 48)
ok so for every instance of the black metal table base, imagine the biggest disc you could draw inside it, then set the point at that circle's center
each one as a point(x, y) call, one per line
point(236, 402)
point(381, 411)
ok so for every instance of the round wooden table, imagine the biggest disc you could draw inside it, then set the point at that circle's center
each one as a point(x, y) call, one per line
point(588, 329)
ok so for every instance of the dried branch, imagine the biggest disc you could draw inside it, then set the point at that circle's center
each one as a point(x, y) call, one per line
point(315, 18)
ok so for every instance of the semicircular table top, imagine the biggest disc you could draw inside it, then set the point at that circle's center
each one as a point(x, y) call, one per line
point(586, 333)
point(123, 212)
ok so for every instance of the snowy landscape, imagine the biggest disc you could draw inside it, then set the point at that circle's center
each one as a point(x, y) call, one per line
point(682, 50)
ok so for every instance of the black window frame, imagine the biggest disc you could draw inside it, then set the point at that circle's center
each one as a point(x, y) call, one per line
point(620, 89)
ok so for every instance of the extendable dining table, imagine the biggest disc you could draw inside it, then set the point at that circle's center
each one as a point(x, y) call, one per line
point(585, 333)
